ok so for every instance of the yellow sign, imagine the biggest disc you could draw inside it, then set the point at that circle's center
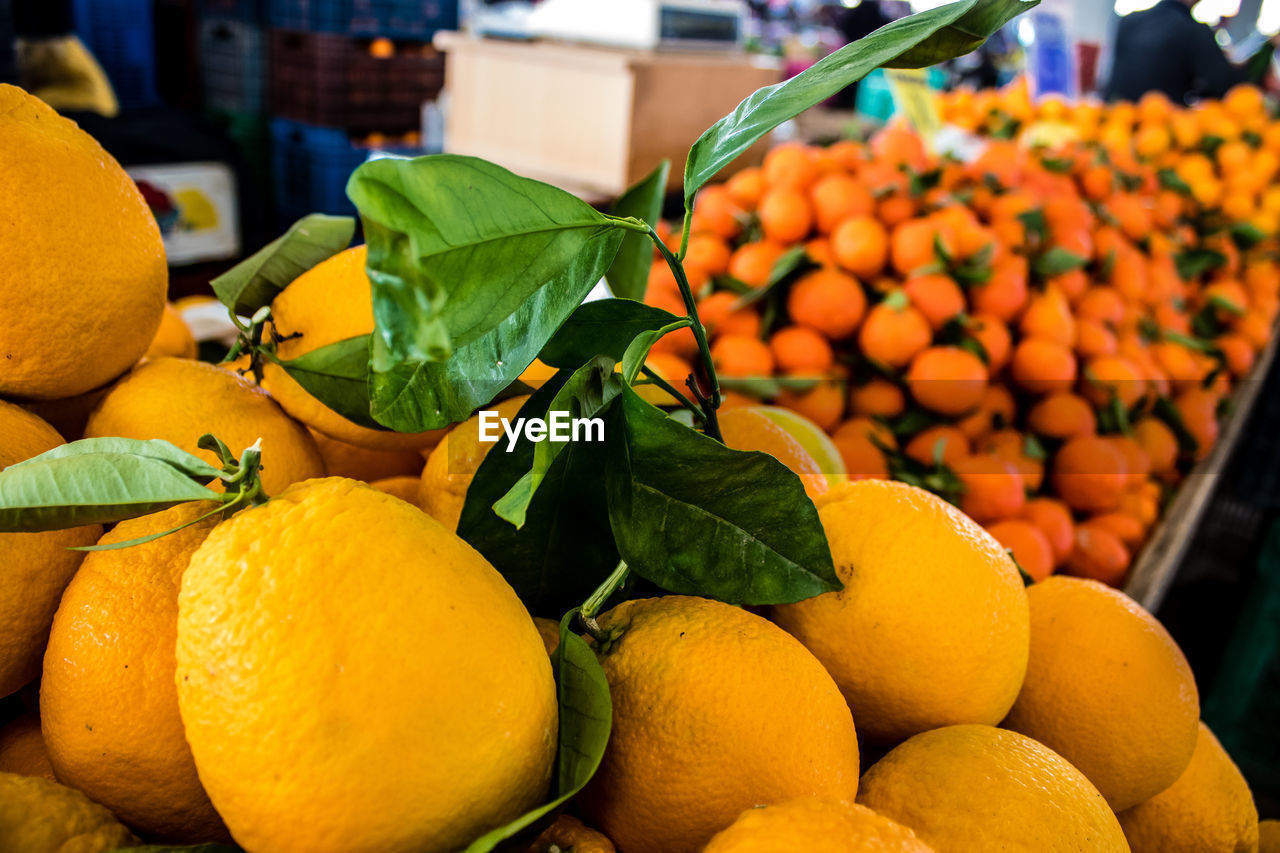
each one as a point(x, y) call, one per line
point(915, 100)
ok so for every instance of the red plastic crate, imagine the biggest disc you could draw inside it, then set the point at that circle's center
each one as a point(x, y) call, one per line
point(337, 81)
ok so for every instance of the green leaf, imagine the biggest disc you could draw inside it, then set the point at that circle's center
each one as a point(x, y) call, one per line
point(458, 244)
point(257, 280)
point(1171, 180)
point(1057, 261)
point(587, 394)
point(698, 518)
point(64, 491)
point(1194, 263)
point(154, 448)
point(1246, 235)
point(603, 327)
point(586, 718)
point(188, 848)
point(766, 387)
point(1036, 224)
point(338, 376)
point(565, 548)
point(790, 265)
point(1166, 411)
point(629, 275)
point(916, 41)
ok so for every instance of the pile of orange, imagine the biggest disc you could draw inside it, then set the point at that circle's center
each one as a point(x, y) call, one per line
point(1047, 335)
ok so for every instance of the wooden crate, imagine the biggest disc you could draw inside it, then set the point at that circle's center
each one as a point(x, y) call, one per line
point(590, 119)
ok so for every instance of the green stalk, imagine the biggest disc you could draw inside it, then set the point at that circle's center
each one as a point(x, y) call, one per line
point(587, 612)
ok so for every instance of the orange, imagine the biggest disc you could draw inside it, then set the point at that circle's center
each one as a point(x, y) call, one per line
point(752, 428)
point(108, 701)
point(718, 312)
point(943, 443)
point(947, 380)
point(1053, 519)
point(1113, 377)
point(1237, 353)
point(879, 397)
point(860, 244)
point(37, 566)
point(569, 833)
point(739, 355)
point(179, 400)
point(994, 338)
point(442, 491)
point(695, 676)
point(1209, 807)
point(361, 463)
point(333, 571)
point(789, 166)
point(1101, 303)
point(823, 404)
point(827, 300)
point(1089, 474)
point(816, 825)
point(1048, 317)
point(992, 487)
point(1043, 366)
point(1028, 543)
point(405, 488)
point(995, 411)
point(1128, 529)
point(330, 302)
point(1107, 689)
point(173, 338)
point(973, 789)
point(899, 146)
point(1159, 442)
point(837, 197)
point(868, 428)
point(84, 266)
point(924, 583)
point(1137, 465)
point(1062, 415)
point(785, 215)
point(801, 350)
point(707, 252)
point(935, 296)
point(1093, 338)
point(752, 263)
point(746, 187)
point(1004, 294)
point(862, 459)
point(715, 211)
point(914, 246)
point(1098, 554)
point(22, 748)
point(1199, 410)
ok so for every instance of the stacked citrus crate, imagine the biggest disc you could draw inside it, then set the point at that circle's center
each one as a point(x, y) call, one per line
point(347, 78)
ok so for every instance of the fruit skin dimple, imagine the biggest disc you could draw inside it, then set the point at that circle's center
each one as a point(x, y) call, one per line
point(353, 676)
point(978, 789)
point(922, 583)
point(36, 567)
point(1107, 689)
point(715, 710)
point(84, 272)
point(1208, 810)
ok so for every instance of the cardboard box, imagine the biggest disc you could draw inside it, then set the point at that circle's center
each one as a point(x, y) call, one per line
point(591, 119)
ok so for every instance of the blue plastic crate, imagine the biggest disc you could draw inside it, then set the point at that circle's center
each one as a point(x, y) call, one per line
point(121, 35)
point(233, 65)
point(405, 19)
point(310, 167)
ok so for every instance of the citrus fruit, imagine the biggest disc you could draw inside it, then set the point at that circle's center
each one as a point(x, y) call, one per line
point(978, 788)
point(84, 267)
point(330, 302)
point(37, 566)
point(179, 400)
point(715, 710)
point(404, 488)
point(22, 748)
point(40, 816)
point(812, 438)
point(922, 583)
point(1269, 836)
point(361, 463)
point(748, 428)
point(173, 338)
point(1107, 689)
point(570, 835)
point(1208, 808)
point(815, 826)
point(108, 701)
point(357, 738)
point(451, 465)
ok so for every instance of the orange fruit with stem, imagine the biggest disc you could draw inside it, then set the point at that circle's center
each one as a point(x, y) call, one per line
point(994, 337)
point(936, 296)
point(1062, 415)
point(894, 332)
point(801, 350)
point(1112, 377)
point(992, 487)
point(830, 301)
point(752, 263)
point(1004, 294)
point(785, 215)
point(943, 443)
point(1052, 518)
point(947, 380)
point(1089, 474)
point(877, 398)
point(740, 356)
point(1030, 547)
point(1043, 366)
point(860, 245)
point(838, 197)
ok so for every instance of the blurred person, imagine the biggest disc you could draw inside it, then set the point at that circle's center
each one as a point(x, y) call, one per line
point(1164, 49)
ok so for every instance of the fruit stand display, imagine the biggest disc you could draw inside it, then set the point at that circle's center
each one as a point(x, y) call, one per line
point(1048, 335)
point(442, 557)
